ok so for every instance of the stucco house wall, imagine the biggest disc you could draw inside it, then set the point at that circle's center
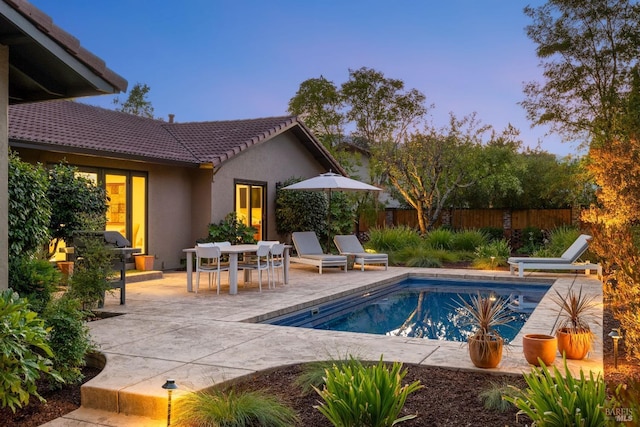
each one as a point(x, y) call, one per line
point(273, 161)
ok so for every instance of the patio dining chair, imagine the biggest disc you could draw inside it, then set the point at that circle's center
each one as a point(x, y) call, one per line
point(277, 261)
point(260, 263)
point(208, 261)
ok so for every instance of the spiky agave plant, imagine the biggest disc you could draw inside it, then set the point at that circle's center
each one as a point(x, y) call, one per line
point(573, 320)
point(574, 310)
point(486, 312)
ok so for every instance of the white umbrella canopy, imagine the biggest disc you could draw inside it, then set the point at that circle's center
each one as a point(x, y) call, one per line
point(329, 182)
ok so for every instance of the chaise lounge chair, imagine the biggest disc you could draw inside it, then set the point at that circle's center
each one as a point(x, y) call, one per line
point(309, 252)
point(567, 261)
point(350, 245)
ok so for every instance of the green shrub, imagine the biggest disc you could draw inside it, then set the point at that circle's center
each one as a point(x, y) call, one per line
point(233, 409)
point(441, 238)
point(33, 279)
point(68, 337)
point(92, 271)
point(493, 254)
point(390, 239)
point(532, 238)
point(24, 351)
point(29, 208)
point(468, 240)
point(493, 233)
point(355, 395)
point(230, 229)
point(76, 204)
point(554, 399)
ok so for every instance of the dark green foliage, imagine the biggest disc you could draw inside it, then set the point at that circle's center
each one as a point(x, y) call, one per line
point(69, 337)
point(33, 279)
point(231, 230)
point(493, 233)
point(342, 215)
point(533, 239)
point(77, 204)
point(92, 271)
point(29, 208)
point(300, 210)
point(24, 351)
point(308, 211)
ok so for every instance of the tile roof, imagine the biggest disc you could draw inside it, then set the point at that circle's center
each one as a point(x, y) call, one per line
point(75, 127)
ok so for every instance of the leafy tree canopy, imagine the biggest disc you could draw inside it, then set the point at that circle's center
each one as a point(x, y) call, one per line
point(29, 207)
point(587, 50)
point(77, 203)
point(137, 102)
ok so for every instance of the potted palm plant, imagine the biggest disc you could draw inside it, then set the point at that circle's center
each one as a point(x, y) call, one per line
point(573, 331)
point(486, 343)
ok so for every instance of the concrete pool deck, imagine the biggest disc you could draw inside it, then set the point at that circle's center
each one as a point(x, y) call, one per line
point(205, 339)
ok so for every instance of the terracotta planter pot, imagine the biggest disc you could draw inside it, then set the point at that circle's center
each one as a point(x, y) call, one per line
point(573, 346)
point(485, 354)
point(66, 268)
point(144, 262)
point(541, 346)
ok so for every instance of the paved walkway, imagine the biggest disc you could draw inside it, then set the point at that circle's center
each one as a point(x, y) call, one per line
point(205, 339)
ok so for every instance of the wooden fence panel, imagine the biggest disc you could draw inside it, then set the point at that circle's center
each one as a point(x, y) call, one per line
point(460, 219)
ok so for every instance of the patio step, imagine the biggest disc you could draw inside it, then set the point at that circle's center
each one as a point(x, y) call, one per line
point(101, 394)
point(134, 276)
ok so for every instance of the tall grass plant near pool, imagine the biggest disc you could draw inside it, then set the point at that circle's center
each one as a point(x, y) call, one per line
point(390, 239)
point(468, 240)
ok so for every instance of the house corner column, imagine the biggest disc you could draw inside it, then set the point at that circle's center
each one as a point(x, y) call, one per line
point(4, 167)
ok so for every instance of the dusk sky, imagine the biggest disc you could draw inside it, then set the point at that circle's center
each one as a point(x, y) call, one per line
point(208, 60)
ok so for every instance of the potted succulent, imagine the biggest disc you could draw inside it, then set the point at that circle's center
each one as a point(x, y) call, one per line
point(573, 332)
point(485, 313)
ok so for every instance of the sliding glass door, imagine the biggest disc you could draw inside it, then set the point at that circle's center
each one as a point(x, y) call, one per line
point(249, 206)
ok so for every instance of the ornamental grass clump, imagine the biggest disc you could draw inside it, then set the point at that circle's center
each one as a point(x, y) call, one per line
point(356, 395)
point(231, 408)
point(559, 399)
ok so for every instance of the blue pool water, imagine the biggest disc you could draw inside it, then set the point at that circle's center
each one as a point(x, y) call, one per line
point(417, 307)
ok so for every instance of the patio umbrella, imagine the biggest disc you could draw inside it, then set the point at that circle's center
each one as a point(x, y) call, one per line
point(330, 182)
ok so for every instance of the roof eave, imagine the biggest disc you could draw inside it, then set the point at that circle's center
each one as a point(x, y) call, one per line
point(53, 148)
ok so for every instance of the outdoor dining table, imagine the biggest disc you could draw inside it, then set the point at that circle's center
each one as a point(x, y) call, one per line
point(233, 251)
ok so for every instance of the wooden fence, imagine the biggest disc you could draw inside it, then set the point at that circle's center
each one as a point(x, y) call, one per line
point(512, 222)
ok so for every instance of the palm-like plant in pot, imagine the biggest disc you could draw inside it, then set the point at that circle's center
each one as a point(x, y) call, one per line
point(485, 313)
point(573, 331)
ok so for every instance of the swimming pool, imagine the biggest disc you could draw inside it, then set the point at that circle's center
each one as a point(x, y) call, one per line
point(417, 307)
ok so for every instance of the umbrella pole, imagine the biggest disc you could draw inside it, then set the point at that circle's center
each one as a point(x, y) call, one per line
point(329, 224)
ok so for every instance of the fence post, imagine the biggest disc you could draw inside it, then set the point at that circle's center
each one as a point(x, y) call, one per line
point(506, 225)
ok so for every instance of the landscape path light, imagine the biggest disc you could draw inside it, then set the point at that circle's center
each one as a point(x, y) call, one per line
point(615, 335)
point(170, 385)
